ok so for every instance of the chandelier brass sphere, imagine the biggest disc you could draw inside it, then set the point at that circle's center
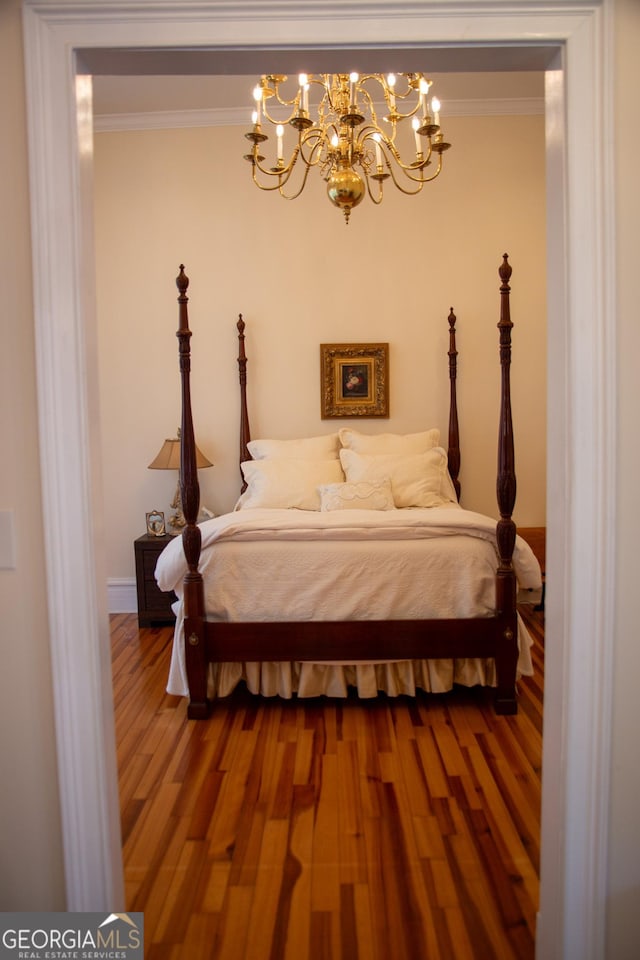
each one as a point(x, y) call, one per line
point(345, 189)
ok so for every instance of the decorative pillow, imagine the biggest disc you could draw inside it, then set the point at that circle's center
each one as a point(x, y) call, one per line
point(357, 496)
point(416, 481)
point(283, 483)
point(308, 448)
point(387, 443)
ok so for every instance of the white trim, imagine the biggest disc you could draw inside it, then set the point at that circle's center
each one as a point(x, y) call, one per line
point(573, 915)
point(237, 116)
point(122, 595)
point(65, 332)
point(588, 713)
point(551, 908)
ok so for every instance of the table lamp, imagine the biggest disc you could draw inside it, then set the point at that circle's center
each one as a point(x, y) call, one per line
point(169, 459)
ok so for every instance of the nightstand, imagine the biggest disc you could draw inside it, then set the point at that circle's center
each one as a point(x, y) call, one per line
point(154, 606)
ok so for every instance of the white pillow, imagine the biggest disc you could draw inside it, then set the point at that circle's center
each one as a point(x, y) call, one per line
point(386, 443)
point(282, 484)
point(416, 481)
point(308, 448)
point(357, 496)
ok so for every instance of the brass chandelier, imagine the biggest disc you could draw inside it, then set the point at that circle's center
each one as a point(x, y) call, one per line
point(354, 153)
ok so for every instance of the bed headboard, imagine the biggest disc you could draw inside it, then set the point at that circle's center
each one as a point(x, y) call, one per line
point(453, 451)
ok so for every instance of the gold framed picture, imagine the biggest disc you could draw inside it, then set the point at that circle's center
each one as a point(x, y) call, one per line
point(155, 523)
point(354, 380)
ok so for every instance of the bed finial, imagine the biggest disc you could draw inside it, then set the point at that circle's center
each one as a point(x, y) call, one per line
point(453, 451)
point(182, 281)
point(505, 270)
point(183, 334)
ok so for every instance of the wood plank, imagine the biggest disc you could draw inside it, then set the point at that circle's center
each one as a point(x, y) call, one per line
point(268, 919)
point(300, 853)
point(233, 930)
point(325, 869)
point(351, 847)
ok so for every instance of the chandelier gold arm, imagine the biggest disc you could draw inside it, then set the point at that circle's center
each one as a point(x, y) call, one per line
point(285, 120)
point(283, 102)
point(281, 172)
point(419, 181)
point(283, 176)
point(403, 189)
point(311, 146)
point(294, 196)
point(379, 180)
point(409, 169)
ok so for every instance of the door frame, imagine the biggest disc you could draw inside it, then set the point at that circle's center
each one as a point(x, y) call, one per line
point(581, 393)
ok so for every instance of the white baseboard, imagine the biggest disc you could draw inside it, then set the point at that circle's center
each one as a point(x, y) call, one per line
point(122, 596)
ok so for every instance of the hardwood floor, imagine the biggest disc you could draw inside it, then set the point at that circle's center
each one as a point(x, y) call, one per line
point(390, 829)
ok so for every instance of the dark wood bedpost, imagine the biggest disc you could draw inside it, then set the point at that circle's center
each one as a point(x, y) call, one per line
point(191, 538)
point(245, 433)
point(453, 451)
point(506, 587)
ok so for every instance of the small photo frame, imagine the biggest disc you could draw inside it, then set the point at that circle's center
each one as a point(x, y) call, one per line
point(354, 380)
point(155, 523)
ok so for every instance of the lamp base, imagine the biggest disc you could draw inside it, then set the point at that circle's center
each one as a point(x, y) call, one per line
point(177, 521)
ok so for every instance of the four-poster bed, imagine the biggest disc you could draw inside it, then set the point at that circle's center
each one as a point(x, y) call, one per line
point(298, 592)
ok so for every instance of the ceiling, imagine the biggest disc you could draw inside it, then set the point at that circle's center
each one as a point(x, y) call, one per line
point(143, 81)
point(126, 95)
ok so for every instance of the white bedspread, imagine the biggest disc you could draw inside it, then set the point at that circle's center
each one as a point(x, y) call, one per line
point(302, 565)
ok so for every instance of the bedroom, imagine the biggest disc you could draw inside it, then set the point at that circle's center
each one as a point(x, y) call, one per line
point(582, 176)
point(127, 186)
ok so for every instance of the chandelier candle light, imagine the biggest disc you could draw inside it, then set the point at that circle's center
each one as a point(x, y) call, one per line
point(346, 134)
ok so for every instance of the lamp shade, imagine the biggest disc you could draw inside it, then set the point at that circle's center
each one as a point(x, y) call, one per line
point(169, 457)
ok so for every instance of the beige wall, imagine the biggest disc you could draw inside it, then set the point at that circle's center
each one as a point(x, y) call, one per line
point(301, 277)
point(31, 869)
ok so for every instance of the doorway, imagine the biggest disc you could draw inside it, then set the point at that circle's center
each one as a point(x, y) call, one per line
point(63, 259)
